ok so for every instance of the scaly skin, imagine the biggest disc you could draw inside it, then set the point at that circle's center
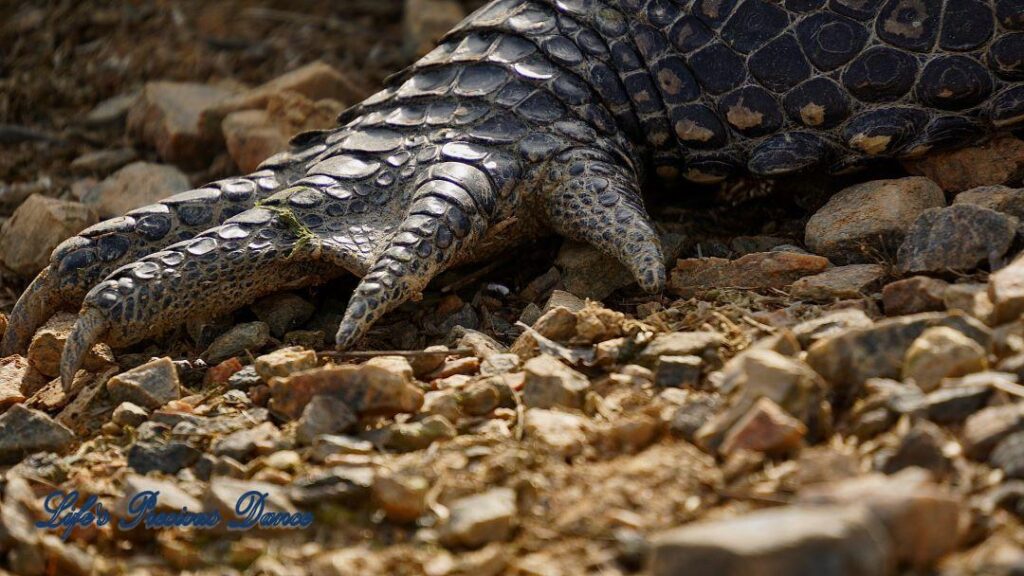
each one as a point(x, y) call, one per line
point(545, 115)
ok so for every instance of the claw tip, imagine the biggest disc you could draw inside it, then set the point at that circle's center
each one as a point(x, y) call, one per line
point(90, 326)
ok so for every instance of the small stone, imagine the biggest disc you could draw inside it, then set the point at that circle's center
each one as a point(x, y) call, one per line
point(985, 429)
point(251, 137)
point(284, 362)
point(704, 345)
point(941, 352)
point(956, 238)
point(558, 324)
point(103, 162)
point(500, 364)
point(243, 444)
point(1008, 455)
point(111, 111)
point(442, 403)
point(241, 338)
point(913, 295)
point(283, 312)
point(998, 161)
point(765, 428)
point(482, 518)
point(232, 372)
point(848, 359)
point(170, 457)
point(456, 366)
point(13, 372)
point(921, 447)
point(587, 272)
point(430, 360)
point(865, 220)
point(402, 497)
point(999, 198)
point(794, 540)
point(312, 339)
point(324, 415)
point(166, 117)
point(381, 386)
point(955, 402)
point(223, 495)
point(971, 298)
point(693, 414)
point(137, 184)
point(566, 300)
point(24, 431)
point(170, 497)
point(484, 396)
point(38, 225)
point(1006, 292)
point(562, 433)
point(128, 414)
point(828, 325)
point(841, 282)
point(329, 444)
point(46, 347)
point(151, 385)
point(550, 383)
point(758, 271)
point(678, 371)
point(411, 436)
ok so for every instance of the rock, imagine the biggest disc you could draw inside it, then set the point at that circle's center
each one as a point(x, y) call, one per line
point(241, 338)
point(424, 22)
point(312, 339)
point(329, 444)
point(482, 518)
point(324, 415)
point(411, 436)
point(442, 403)
point(841, 282)
point(923, 446)
point(704, 345)
point(758, 271)
point(941, 352)
point(998, 161)
point(128, 414)
point(46, 347)
point(923, 519)
point(795, 540)
point(283, 362)
point(151, 385)
point(402, 497)
point(465, 366)
point(913, 295)
point(500, 364)
point(103, 162)
point(432, 359)
point(678, 371)
point(1006, 292)
point(243, 444)
point(36, 228)
point(111, 111)
point(587, 272)
point(985, 429)
point(1008, 455)
point(956, 238)
point(765, 428)
point(170, 498)
point(558, 324)
point(251, 137)
point(166, 117)
point(550, 383)
point(562, 433)
point(971, 298)
point(13, 372)
point(136, 185)
point(24, 431)
point(694, 413)
point(956, 401)
point(828, 325)
point(848, 359)
point(864, 221)
point(999, 198)
point(224, 494)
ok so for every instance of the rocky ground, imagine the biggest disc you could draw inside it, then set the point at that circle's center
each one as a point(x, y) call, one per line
point(829, 387)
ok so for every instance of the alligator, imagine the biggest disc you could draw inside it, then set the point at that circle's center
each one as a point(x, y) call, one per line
point(544, 116)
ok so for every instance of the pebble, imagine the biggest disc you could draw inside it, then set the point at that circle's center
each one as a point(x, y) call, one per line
point(241, 338)
point(794, 540)
point(283, 362)
point(998, 161)
point(923, 446)
point(705, 345)
point(24, 431)
point(941, 352)
point(166, 117)
point(167, 457)
point(550, 383)
point(765, 428)
point(48, 343)
point(430, 360)
point(224, 493)
point(480, 519)
point(914, 295)
point(956, 401)
point(562, 433)
point(382, 386)
point(38, 225)
point(324, 415)
point(442, 403)
point(999, 198)
point(137, 184)
point(243, 445)
point(402, 497)
point(1006, 292)
point(128, 414)
point(111, 111)
point(13, 372)
point(863, 221)
point(758, 271)
point(988, 427)
point(500, 364)
point(828, 325)
point(411, 436)
point(840, 282)
point(693, 414)
point(102, 162)
point(171, 497)
point(587, 272)
point(678, 371)
point(1008, 455)
point(956, 238)
point(971, 298)
point(251, 137)
point(330, 444)
point(151, 385)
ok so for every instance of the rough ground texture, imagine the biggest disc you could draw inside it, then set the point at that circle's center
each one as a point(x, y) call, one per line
point(854, 409)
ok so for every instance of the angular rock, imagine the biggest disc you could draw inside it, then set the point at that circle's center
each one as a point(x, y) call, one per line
point(411, 436)
point(693, 414)
point(795, 541)
point(867, 220)
point(424, 22)
point(224, 493)
point(283, 362)
point(971, 298)
point(482, 518)
point(830, 324)
point(402, 497)
point(956, 238)
point(36, 228)
point(956, 401)
point(923, 447)
point(998, 161)
point(24, 431)
point(170, 497)
point(283, 312)
point(841, 282)
point(550, 383)
point(939, 353)
point(324, 415)
point(103, 162)
point(167, 457)
point(151, 385)
point(243, 444)
point(704, 345)
point(988, 427)
point(166, 117)
point(128, 414)
point(562, 433)
point(136, 185)
point(758, 271)
point(1008, 455)
point(251, 137)
point(381, 386)
point(13, 371)
point(586, 272)
point(46, 347)
point(1006, 292)
point(765, 428)
point(848, 359)
point(999, 198)
point(246, 337)
point(913, 295)
point(678, 371)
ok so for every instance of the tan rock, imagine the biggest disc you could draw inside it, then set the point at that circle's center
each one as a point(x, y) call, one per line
point(550, 383)
point(424, 22)
point(402, 497)
point(998, 161)
point(166, 117)
point(753, 271)
point(1006, 292)
point(284, 361)
point(971, 298)
point(999, 198)
point(562, 433)
point(38, 225)
point(251, 138)
point(151, 385)
point(765, 428)
point(46, 347)
point(13, 371)
point(841, 282)
point(482, 518)
point(942, 352)
point(135, 185)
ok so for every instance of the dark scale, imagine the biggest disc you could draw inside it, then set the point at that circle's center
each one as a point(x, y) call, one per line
point(545, 116)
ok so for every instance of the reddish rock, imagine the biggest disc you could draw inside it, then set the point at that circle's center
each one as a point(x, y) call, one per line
point(913, 295)
point(251, 138)
point(753, 271)
point(996, 162)
point(765, 428)
point(841, 282)
point(36, 228)
point(166, 117)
